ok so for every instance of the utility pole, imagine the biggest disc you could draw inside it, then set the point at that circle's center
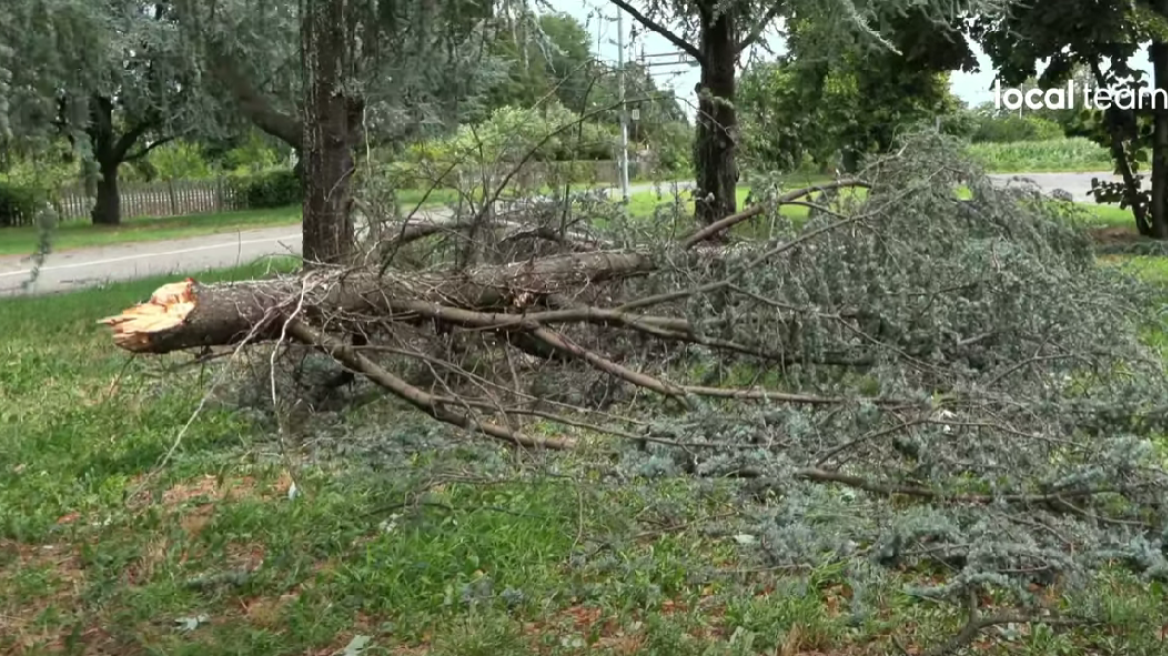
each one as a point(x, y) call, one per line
point(624, 116)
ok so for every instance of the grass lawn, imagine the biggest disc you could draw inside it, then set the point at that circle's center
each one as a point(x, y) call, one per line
point(80, 234)
point(1069, 155)
point(646, 203)
point(403, 536)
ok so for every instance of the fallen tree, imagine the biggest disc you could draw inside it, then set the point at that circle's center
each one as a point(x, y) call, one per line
point(964, 369)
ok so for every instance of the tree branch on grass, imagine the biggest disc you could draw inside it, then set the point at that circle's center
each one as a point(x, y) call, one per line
point(865, 366)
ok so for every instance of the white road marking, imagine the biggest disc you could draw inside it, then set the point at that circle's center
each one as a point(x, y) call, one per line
point(139, 256)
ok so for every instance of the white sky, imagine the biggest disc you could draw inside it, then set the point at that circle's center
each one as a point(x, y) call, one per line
point(599, 18)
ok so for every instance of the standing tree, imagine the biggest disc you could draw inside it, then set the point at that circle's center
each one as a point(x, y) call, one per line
point(331, 126)
point(716, 33)
point(111, 77)
point(327, 76)
point(1102, 38)
point(851, 105)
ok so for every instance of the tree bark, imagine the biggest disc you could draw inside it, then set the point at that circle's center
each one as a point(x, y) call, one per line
point(1159, 224)
point(188, 315)
point(107, 209)
point(1123, 163)
point(327, 135)
point(715, 145)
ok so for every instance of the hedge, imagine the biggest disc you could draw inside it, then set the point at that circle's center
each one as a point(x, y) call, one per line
point(278, 188)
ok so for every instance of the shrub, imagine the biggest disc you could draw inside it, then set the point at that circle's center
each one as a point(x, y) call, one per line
point(179, 160)
point(19, 204)
point(277, 188)
point(1005, 129)
point(1077, 154)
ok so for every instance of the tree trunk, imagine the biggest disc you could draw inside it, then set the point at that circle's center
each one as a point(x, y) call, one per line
point(717, 129)
point(849, 160)
point(107, 210)
point(186, 315)
point(1131, 190)
point(1159, 227)
point(326, 148)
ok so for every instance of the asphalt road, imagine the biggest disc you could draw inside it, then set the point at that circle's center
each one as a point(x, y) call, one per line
point(1077, 184)
point(79, 269)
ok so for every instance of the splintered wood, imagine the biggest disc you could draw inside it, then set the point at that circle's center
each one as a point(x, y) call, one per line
point(167, 308)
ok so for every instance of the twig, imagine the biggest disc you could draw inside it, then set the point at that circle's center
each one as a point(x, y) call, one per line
point(977, 623)
point(865, 438)
point(348, 356)
point(637, 378)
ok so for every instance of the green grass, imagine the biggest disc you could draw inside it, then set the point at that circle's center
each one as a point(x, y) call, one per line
point(392, 537)
point(1076, 154)
point(80, 234)
point(645, 204)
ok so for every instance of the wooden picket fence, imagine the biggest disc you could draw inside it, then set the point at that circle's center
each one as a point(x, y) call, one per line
point(184, 197)
point(155, 199)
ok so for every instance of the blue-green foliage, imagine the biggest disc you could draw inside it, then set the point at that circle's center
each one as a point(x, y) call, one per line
point(989, 413)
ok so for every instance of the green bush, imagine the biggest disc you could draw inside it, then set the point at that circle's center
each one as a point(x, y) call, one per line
point(673, 147)
point(19, 204)
point(1063, 154)
point(278, 188)
point(1011, 129)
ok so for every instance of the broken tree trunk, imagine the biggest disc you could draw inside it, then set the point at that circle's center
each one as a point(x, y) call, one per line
point(187, 315)
point(527, 299)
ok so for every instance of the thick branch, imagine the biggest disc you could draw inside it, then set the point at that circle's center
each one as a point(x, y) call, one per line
point(761, 26)
point(122, 147)
point(425, 402)
point(186, 315)
point(146, 149)
point(654, 26)
point(253, 104)
point(608, 366)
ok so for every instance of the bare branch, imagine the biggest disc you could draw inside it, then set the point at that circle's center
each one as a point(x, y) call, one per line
point(761, 26)
point(416, 397)
point(751, 212)
point(654, 26)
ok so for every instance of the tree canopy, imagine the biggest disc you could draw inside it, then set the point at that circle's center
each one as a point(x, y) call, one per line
point(852, 104)
point(550, 56)
point(716, 34)
point(114, 78)
point(1099, 39)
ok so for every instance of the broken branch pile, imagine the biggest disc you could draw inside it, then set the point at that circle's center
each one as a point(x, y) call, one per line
point(969, 357)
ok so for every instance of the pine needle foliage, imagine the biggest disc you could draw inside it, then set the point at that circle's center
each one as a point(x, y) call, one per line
point(1000, 410)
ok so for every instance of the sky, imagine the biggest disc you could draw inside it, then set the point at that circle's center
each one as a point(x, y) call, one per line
point(599, 18)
